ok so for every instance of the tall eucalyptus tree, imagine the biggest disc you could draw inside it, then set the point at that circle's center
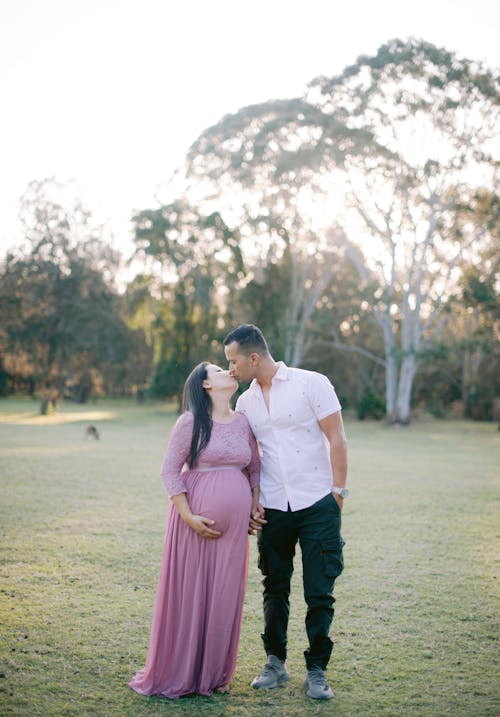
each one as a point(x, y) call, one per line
point(387, 153)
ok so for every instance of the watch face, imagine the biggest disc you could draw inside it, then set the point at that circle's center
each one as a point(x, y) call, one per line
point(344, 493)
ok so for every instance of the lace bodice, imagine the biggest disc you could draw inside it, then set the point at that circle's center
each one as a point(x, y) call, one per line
point(230, 444)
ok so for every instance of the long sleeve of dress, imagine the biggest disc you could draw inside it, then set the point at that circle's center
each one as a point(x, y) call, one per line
point(254, 465)
point(177, 454)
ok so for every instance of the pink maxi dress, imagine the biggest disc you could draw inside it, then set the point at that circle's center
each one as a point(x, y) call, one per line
point(197, 616)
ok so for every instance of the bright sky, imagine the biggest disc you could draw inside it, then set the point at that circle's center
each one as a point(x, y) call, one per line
point(111, 93)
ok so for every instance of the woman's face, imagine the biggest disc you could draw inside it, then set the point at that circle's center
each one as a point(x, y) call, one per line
point(218, 379)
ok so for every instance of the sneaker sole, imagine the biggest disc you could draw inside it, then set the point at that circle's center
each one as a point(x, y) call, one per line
point(320, 697)
point(279, 683)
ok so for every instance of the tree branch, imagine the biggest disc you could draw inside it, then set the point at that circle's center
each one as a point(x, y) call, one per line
point(337, 344)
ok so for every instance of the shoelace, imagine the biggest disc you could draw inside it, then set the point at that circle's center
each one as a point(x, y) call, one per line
point(317, 676)
point(269, 669)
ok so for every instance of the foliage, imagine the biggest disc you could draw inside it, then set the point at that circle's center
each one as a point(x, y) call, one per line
point(371, 406)
point(462, 369)
point(356, 225)
point(396, 145)
point(190, 256)
point(63, 319)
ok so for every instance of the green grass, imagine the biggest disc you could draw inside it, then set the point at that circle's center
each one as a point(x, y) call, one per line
point(82, 525)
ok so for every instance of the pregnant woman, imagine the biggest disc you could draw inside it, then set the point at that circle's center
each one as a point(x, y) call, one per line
point(199, 602)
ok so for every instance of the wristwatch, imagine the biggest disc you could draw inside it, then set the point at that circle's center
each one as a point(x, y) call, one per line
point(343, 492)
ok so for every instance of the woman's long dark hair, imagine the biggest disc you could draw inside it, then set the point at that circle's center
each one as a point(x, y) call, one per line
point(197, 400)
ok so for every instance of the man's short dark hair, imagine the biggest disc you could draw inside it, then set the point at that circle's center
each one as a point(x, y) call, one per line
point(249, 338)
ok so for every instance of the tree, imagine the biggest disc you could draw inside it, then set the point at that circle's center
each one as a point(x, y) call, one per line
point(286, 275)
point(63, 319)
point(480, 313)
point(188, 257)
point(259, 162)
point(399, 144)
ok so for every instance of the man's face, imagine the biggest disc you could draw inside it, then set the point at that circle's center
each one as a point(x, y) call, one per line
point(241, 367)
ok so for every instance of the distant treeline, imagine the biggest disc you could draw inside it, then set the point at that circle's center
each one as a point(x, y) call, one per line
point(356, 225)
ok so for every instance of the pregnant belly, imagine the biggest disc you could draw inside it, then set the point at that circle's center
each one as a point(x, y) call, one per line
point(223, 496)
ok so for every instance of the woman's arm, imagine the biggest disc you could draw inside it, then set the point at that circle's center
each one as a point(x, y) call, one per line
point(176, 456)
point(198, 523)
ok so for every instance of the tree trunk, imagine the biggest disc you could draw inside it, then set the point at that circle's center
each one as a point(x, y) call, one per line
point(391, 388)
point(289, 347)
point(47, 406)
point(298, 348)
point(466, 382)
point(405, 384)
point(49, 396)
point(83, 389)
point(391, 366)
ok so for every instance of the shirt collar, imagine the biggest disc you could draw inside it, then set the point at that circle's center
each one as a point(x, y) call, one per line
point(282, 372)
point(280, 375)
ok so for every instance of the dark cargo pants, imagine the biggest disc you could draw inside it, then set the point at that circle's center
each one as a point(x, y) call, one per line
point(317, 529)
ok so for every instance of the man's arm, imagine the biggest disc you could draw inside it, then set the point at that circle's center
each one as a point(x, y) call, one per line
point(333, 428)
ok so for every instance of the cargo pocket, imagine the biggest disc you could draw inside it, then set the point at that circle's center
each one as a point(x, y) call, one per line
point(332, 557)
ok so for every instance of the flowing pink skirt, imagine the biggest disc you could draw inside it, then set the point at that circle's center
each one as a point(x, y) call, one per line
point(197, 617)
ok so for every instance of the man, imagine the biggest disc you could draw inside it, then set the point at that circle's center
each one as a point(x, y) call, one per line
point(302, 488)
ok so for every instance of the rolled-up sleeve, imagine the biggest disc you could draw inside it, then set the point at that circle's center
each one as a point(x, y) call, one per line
point(176, 455)
point(322, 396)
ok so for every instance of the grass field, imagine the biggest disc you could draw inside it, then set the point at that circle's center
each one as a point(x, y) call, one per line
point(82, 525)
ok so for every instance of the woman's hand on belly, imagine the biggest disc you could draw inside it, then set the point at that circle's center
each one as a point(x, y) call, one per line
point(201, 525)
point(198, 523)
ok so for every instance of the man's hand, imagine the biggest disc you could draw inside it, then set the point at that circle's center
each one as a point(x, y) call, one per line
point(333, 428)
point(340, 501)
point(200, 525)
point(257, 519)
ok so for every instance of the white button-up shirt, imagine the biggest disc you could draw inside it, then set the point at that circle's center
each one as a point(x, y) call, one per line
point(295, 464)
